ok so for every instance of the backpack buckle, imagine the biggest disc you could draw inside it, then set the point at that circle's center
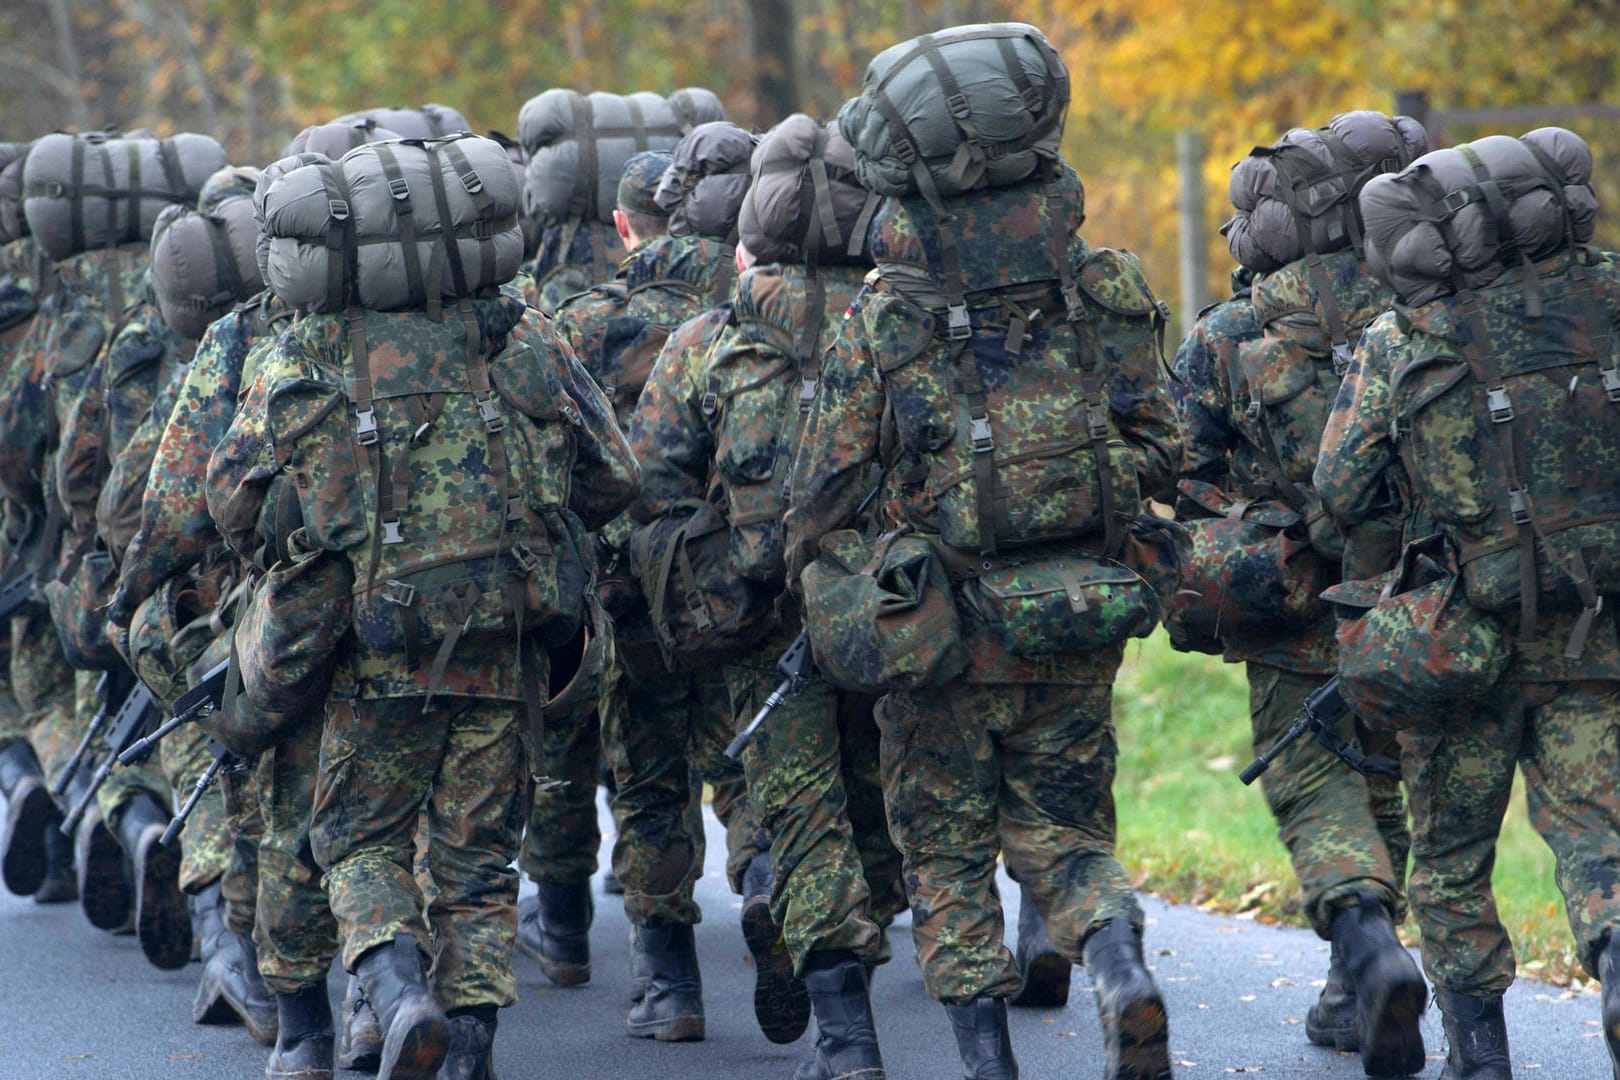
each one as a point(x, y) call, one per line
point(710, 404)
point(525, 557)
point(958, 104)
point(514, 508)
point(399, 189)
point(1611, 382)
point(1501, 406)
point(979, 430)
point(1519, 504)
point(699, 612)
point(398, 592)
point(1253, 409)
point(807, 394)
point(472, 182)
point(958, 326)
point(1456, 200)
point(391, 533)
point(1097, 425)
point(337, 209)
point(1032, 98)
point(491, 415)
point(1341, 358)
point(365, 427)
point(906, 151)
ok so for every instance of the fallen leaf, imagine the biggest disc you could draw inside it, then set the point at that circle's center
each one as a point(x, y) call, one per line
point(184, 1057)
point(1221, 763)
point(1185, 1064)
point(1246, 997)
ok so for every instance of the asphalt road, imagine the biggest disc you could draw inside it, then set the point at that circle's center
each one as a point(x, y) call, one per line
point(78, 1003)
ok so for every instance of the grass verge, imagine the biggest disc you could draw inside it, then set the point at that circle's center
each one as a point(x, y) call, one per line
point(1191, 832)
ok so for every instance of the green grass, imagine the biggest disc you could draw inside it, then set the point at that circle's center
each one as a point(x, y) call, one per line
point(1191, 832)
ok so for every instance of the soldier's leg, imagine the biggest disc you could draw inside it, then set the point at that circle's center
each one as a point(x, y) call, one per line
point(711, 729)
point(859, 763)
point(1571, 760)
point(205, 842)
point(294, 928)
point(30, 814)
point(43, 683)
point(1324, 810)
point(941, 783)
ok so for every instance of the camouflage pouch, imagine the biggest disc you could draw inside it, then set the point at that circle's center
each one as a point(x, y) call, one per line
point(1417, 652)
point(580, 671)
point(1253, 572)
point(176, 625)
point(881, 615)
point(1063, 604)
point(700, 605)
point(78, 604)
point(287, 635)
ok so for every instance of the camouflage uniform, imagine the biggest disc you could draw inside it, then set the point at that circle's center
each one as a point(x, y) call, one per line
point(48, 371)
point(1015, 755)
point(661, 730)
point(1344, 832)
point(284, 909)
point(19, 300)
point(812, 771)
point(1553, 717)
point(385, 752)
point(573, 256)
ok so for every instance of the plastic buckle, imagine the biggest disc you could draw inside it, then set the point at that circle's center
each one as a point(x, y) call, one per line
point(365, 427)
point(710, 404)
point(391, 533)
point(399, 189)
point(958, 104)
point(1341, 358)
point(983, 441)
point(526, 559)
point(1519, 504)
point(337, 209)
point(1611, 383)
point(514, 508)
point(491, 414)
point(1032, 98)
point(398, 592)
point(906, 151)
point(483, 230)
point(1073, 307)
point(1456, 200)
point(1253, 409)
point(1501, 406)
point(1097, 425)
point(472, 182)
point(958, 326)
point(699, 612)
point(807, 394)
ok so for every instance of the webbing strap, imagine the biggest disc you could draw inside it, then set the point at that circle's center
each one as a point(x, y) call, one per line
point(638, 123)
point(228, 273)
point(452, 249)
point(586, 181)
point(1499, 207)
point(989, 503)
point(460, 608)
point(132, 153)
point(340, 247)
point(405, 214)
point(365, 428)
point(1338, 332)
point(956, 102)
point(76, 197)
point(483, 202)
point(725, 274)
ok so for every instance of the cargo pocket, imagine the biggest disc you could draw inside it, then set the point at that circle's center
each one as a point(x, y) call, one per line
point(913, 367)
point(314, 436)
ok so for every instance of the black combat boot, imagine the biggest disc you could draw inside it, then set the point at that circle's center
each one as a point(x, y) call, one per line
point(105, 891)
point(982, 1039)
point(555, 929)
point(472, 1044)
point(303, 1049)
point(1389, 990)
point(1045, 971)
point(30, 813)
point(846, 1037)
point(672, 1010)
point(1332, 1020)
point(360, 1033)
point(1477, 1032)
point(1136, 1028)
point(781, 1002)
point(60, 884)
point(230, 989)
point(417, 1034)
point(640, 968)
point(162, 922)
point(1608, 967)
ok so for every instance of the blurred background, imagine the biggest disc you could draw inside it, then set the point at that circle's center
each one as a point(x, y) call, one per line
point(1167, 94)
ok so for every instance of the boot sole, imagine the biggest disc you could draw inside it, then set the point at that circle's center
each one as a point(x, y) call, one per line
point(59, 890)
point(213, 1005)
point(563, 972)
point(1391, 1041)
point(27, 818)
point(104, 889)
point(274, 1070)
point(781, 1001)
point(670, 1029)
point(162, 921)
point(1333, 1038)
point(419, 1049)
point(1046, 983)
point(358, 1055)
point(1138, 1043)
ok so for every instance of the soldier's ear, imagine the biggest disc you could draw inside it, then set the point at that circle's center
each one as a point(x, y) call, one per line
point(622, 224)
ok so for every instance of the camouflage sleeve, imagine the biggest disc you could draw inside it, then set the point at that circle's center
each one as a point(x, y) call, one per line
point(606, 477)
point(176, 529)
point(242, 466)
point(23, 407)
point(840, 441)
point(668, 434)
point(1201, 392)
point(80, 447)
point(1357, 448)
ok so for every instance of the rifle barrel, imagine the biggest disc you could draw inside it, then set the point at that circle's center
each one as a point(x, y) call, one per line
point(740, 743)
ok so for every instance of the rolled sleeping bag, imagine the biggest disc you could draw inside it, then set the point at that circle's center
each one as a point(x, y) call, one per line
point(393, 226)
point(702, 190)
point(804, 202)
point(83, 192)
point(428, 122)
point(337, 138)
point(203, 263)
point(13, 224)
point(978, 106)
point(1298, 196)
point(1457, 218)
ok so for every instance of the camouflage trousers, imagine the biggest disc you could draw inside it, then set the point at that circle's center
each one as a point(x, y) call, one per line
point(296, 932)
point(239, 884)
point(13, 719)
point(1025, 772)
point(1565, 738)
point(813, 780)
point(380, 762)
point(664, 734)
point(43, 685)
point(561, 841)
point(1344, 832)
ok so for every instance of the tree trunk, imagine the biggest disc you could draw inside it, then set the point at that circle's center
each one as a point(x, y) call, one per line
point(775, 28)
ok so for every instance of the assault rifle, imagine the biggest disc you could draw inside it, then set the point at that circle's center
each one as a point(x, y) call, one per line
point(111, 688)
point(224, 761)
point(1323, 714)
point(124, 729)
point(796, 666)
point(201, 700)
point(16, 590)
